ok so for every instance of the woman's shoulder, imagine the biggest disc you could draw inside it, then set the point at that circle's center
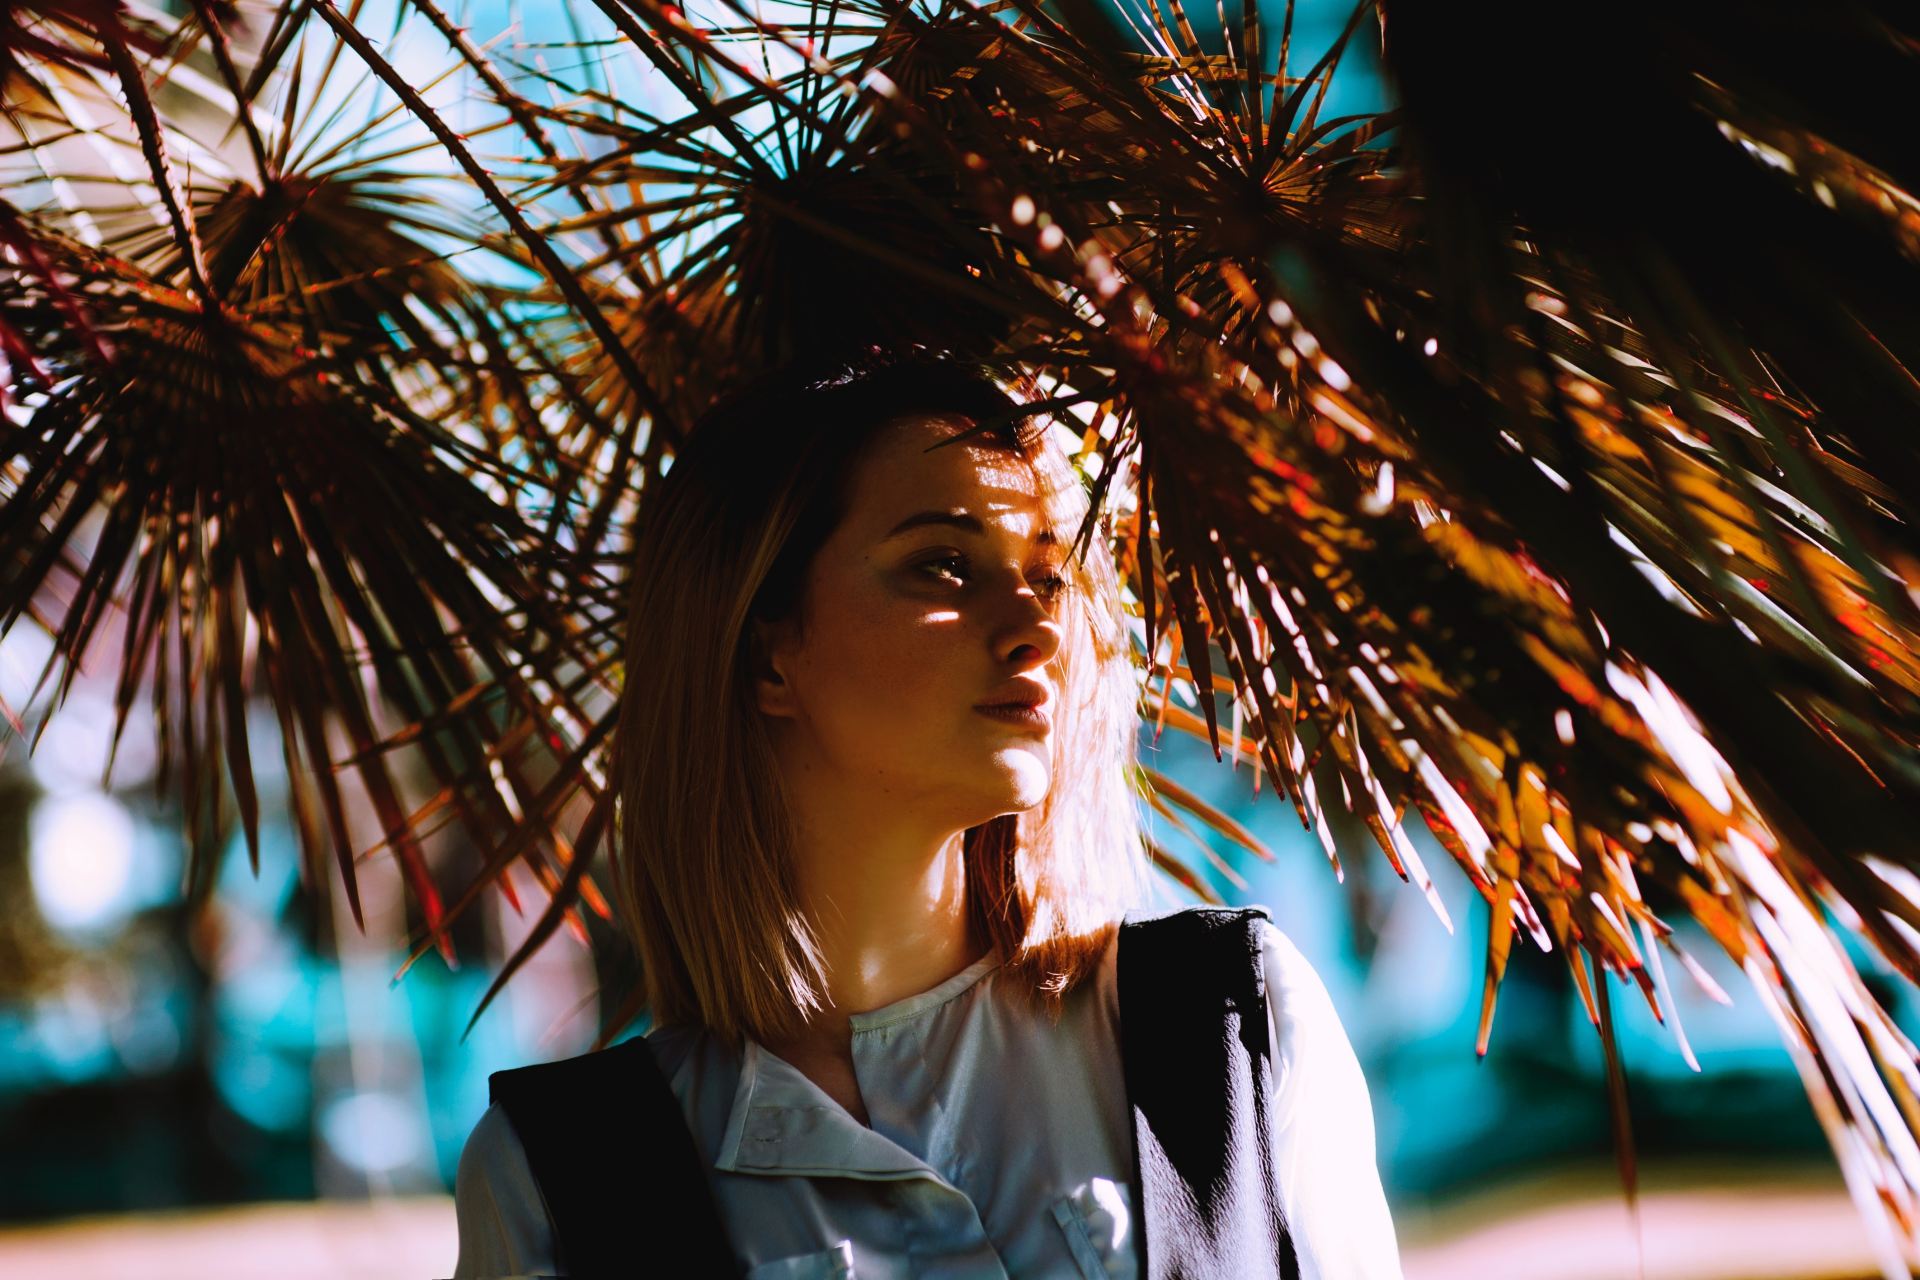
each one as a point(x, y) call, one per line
point(491, 1143)
point(673, 1045)
point(504, 1229)
point(1297, 996)
point(1281, 959)
point(1299, 1006)
point(1324, 1147)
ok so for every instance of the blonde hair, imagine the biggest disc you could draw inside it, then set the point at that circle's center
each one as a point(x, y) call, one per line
point(703, 866)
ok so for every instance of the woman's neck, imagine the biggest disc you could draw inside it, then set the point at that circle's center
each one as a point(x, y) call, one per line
point(890, 913)
point(884, 887)
point(890, 924)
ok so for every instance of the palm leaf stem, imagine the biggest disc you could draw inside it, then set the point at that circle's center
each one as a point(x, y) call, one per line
point(515, 104)
point(563, 278)
point(222, 46)
point(146, 122)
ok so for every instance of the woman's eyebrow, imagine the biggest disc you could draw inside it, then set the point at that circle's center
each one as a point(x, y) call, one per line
point(957, 520)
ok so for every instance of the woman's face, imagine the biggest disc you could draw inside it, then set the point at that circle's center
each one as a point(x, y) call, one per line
point(937, 592)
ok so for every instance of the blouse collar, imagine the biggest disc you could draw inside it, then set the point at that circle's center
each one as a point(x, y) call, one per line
point(784, 1123)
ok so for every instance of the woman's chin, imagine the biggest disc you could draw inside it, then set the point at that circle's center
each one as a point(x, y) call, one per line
point(1024, 775)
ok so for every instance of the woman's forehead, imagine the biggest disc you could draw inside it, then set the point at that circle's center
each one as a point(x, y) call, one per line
point(903, 467)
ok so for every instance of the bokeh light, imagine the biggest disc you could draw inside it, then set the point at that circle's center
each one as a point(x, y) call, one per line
point(82, 850)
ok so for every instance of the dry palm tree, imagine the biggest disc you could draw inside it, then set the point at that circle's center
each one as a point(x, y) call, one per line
point(1528, 454)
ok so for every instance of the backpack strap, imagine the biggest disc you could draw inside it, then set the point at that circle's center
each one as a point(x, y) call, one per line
point(569, 1116)
point(1196, 1053)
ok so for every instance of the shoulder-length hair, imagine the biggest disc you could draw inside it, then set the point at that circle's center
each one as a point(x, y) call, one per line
point(703, 863)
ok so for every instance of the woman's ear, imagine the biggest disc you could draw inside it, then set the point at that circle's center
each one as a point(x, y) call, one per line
point(767, 644)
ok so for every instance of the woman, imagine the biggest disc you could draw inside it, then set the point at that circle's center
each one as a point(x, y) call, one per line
point(876, 840)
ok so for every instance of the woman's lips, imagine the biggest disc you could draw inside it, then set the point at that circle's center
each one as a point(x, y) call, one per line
point(1015, 714)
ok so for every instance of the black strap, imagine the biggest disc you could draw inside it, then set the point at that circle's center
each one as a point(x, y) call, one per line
point(1195, 1047)
point(570, 1116)
point(1198, 1065)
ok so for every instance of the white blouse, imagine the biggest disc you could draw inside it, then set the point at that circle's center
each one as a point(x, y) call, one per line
point(999, 1146)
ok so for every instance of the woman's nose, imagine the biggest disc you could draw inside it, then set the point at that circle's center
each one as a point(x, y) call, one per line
point(1031, 623)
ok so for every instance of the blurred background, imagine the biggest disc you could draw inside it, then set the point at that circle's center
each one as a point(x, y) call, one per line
point(252, 1094)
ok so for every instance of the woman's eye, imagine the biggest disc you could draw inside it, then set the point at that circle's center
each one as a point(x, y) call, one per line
point(941, 563)
point(1050, 587)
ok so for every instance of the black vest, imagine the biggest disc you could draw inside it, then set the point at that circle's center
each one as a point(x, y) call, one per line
point(1195, 1051)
